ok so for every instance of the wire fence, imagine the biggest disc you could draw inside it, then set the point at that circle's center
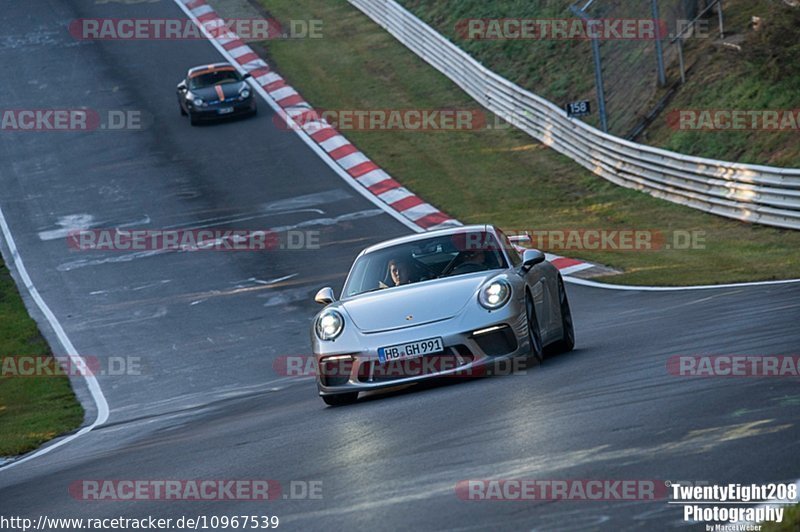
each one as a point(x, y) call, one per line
point(635, 82)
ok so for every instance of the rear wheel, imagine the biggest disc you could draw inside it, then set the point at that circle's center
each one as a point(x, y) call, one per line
point(567, 342)
point(340, 399)
point(534, 335)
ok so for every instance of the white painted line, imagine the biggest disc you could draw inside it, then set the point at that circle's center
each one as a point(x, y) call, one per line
point(595, 284)
point(347, 178)
point(91, 381)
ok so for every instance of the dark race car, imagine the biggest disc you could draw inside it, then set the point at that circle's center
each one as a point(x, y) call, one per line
point(215, 91)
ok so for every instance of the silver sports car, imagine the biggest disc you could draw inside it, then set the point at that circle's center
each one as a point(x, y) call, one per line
point(437, 304)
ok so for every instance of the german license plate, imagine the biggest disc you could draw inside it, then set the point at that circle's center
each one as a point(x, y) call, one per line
point(225, 110)
point(411, 350)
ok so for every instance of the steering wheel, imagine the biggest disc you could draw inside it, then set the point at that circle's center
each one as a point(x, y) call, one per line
point(450, 265)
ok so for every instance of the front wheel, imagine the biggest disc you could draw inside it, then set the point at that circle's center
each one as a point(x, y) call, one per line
point(567, 342)
point(340, 399)
point(193, 119)
point(534, 335)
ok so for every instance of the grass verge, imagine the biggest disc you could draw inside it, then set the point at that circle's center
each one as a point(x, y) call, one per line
point(33, 410)
point(502, 176)
point(791, 521)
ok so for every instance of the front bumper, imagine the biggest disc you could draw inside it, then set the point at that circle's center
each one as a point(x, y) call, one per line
point(466, 355)
point(214, 111)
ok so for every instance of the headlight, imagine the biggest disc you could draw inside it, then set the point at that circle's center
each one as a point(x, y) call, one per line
point(495, 294)
point(329, 325)
point(198, 102)
point(245, 94)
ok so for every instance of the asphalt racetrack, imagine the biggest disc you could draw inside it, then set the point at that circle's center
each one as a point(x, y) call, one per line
point(208, 328)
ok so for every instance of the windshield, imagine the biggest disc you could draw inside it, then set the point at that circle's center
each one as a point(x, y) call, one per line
point(424, 260)
point(217, 77)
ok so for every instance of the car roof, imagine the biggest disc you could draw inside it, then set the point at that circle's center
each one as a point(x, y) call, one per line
point(428, 234)
point(212, 67)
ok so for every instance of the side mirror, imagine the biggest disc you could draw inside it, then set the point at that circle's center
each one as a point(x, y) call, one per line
point(530, 258)
point(182, 86)
point(247, 75)
point(325, 296)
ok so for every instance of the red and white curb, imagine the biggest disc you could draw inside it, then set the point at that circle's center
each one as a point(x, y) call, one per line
point(359, 169)
point(568, 266)
point(358, 166)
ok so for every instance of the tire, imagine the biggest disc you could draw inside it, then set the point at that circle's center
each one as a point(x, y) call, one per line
point(193, 119)
point(341, 399)
point(567, 342)
point(183, 111)
point(534, 335)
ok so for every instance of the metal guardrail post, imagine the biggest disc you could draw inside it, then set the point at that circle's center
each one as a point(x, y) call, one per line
point(598, 70)
point(681, 60)
point(662, 75)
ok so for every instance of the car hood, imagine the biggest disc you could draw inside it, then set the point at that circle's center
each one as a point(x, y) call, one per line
point(424, 302)
point(210, 94)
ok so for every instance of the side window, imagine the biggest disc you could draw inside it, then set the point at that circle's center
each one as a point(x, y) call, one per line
point(513, 254)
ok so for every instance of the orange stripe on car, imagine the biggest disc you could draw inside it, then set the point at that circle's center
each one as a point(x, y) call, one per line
point(210, 70)
point(220, 93)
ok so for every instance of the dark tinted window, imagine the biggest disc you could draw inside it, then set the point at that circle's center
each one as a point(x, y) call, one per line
point(424, 260)
point(214, 78)
point(513, 254)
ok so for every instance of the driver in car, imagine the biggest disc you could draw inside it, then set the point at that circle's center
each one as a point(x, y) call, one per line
point(471, 261)
point(399, 273)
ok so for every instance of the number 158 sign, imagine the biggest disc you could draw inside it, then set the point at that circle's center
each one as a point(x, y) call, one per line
point(582, 108)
